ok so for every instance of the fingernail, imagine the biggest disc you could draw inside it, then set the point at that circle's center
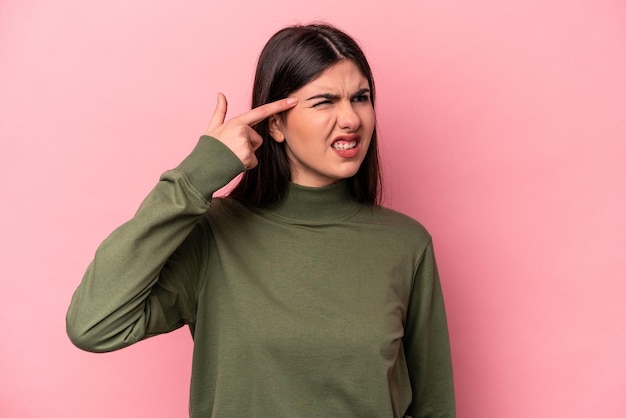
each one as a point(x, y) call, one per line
point(291, 100)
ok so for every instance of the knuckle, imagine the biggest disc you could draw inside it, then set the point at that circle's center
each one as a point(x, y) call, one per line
point(239, 129)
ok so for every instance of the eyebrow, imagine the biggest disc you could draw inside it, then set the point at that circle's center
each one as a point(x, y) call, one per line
point(329, 96)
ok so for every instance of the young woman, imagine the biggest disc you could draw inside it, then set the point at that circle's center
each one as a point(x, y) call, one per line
point(304, 296)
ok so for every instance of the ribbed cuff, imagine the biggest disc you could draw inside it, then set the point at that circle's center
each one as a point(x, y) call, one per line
point(210, 166)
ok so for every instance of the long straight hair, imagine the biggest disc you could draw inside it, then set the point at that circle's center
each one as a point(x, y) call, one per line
point(293, 57)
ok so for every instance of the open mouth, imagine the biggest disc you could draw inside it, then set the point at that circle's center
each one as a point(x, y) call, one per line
point(346, 142)
point(344, 145)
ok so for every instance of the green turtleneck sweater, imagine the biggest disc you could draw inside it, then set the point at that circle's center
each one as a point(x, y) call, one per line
point(318, 307)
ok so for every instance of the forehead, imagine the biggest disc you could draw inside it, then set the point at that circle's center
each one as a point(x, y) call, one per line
point(343, 75)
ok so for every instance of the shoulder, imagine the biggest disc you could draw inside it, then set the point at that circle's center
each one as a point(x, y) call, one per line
point(382, 214)
point(394, 223)
point(224, 208)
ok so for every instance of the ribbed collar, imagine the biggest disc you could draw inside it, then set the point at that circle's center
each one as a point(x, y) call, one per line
point(316, 204)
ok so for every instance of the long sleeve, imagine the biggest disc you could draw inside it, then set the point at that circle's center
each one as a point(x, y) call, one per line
point(123, 296)
point(427, 345)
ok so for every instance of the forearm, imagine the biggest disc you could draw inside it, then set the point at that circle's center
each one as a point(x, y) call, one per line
point(109, 309)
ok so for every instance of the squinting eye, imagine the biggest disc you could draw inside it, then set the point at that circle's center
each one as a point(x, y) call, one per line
point(361, 98)
point(322, 103)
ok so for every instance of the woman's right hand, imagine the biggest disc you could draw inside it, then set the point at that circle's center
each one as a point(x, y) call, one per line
point(237, 133)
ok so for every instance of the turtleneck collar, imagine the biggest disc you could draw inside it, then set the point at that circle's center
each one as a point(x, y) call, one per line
point(316, 204)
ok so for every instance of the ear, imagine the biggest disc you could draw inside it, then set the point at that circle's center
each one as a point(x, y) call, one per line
point(275, 128)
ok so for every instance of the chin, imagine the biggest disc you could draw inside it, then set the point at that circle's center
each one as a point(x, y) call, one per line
point(347, 174)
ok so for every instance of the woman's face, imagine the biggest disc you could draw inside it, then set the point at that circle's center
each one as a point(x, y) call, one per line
point(328, 132)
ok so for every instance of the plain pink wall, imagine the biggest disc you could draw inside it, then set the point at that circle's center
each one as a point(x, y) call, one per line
point(503, 128)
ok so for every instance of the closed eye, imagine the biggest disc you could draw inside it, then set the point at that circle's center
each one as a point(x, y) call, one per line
point(361, 96)
point(324, 102)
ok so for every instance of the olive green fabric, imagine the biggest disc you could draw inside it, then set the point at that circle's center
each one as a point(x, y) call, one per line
point(318, 307)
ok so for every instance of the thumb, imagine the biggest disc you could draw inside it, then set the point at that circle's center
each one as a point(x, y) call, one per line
point(219, 115)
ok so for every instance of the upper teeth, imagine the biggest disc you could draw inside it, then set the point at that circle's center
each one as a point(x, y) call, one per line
point(344, 145)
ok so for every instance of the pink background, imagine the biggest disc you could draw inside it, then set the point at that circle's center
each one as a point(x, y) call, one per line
point(503, 128)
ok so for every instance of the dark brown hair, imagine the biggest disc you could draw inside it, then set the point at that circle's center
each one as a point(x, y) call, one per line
point(293, 57)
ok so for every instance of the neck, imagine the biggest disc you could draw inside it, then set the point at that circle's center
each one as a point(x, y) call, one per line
point(317, 204)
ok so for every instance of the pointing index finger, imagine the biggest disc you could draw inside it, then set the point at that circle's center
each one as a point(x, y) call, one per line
point(258, 114)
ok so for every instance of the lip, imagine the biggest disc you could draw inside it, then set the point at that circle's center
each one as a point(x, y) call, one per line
point(348, 153)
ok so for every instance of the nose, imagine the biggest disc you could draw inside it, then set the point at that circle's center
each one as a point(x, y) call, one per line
point(348, 119)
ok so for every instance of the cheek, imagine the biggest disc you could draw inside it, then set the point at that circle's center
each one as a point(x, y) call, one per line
point(322, 120)
point(368, 119)
point(307, 125)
